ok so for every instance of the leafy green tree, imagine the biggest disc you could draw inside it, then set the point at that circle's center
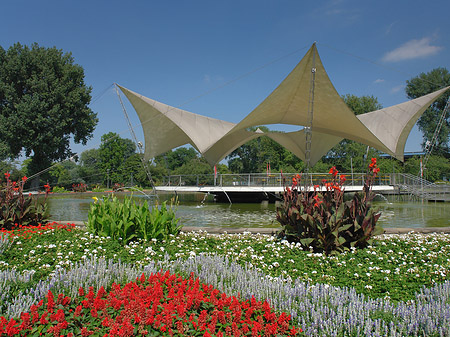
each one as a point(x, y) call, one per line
point(65, 174)
point(348, 153)
point(423, 84)
point(158, 172)
point(113, 153)
point(389, 165)
point(179, 157)
point(89, 167)
point(256, 154)
point(197, 166)
point(60, 176)
point(43, 98)
point(437, 168)
point(133, 172)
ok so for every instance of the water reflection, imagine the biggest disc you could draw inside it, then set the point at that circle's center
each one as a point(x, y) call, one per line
point(414, 214)
point(196, 212)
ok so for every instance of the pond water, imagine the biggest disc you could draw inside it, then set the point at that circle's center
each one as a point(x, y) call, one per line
point(196, 212)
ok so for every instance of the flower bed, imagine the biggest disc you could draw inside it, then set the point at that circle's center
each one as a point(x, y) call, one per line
point(163, 304)
point(322, 294)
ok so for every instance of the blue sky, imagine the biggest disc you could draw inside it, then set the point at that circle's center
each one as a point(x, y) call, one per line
point(221, 59)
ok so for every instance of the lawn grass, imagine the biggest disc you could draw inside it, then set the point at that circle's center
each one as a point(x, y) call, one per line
point(394, 269)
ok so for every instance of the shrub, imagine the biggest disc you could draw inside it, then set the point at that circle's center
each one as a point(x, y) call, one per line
point(127, 221)
point(16, 209)
point(97, 188)
point(79, 187)
point(117, 187)
point(59, 189)
point(323, 221)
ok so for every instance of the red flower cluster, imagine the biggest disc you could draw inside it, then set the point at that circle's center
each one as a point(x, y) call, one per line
point(296, 180)
point(373, 166)
point(333, 171)
point(79, 187)
point(25, 232)
point(165, 303)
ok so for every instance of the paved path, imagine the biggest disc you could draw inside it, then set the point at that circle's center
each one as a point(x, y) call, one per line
point(222, 230)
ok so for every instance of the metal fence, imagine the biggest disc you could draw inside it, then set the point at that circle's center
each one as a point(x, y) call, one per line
point(269, 180)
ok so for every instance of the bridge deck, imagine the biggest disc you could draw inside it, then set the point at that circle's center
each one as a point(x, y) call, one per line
point(251, 193)
point(246, 189)
point(255, 187)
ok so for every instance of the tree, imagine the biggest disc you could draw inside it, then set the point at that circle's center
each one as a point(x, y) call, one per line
point(113, 153)
point(179, 157)
point(89, 167)
point(256, 154)
point(423, 84)
point(65, 174)
point(349, 154)
point(43, 98)
point(197, 166)
point(437, 168)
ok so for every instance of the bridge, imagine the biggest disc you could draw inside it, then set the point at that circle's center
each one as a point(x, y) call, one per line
point(257, 187)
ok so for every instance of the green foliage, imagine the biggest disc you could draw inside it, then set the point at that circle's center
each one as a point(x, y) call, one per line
point(127, 221)
point(254, 156)
point(61, 175)
point(423, 84)
point(196, 166)
point(113, 153)
point(97, 188)
point(133, 172)
point(437, 168)
point(179, 157)
point(59, 189)
point(43, 98)
point(17, 209)
point(363, 104)
point(323, 221)
point(89, 167)
point(65, 174)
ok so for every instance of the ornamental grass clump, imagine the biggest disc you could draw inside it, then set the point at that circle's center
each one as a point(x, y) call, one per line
point(127, 221)
point(162, 304)
point(321, 221)
point(17, 209)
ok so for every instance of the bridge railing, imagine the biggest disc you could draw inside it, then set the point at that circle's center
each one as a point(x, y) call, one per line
point(419, 187)
point(269, 180)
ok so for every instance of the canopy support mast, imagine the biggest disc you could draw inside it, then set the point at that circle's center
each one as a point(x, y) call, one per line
point(138, 144)
point(308, 127)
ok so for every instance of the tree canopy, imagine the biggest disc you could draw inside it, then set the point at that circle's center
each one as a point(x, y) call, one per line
point(43, 98)
point(256, 154)
point(423, 84)
point(113, 153)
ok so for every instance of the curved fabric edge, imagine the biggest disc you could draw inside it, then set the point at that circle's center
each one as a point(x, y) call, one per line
point(393, 124)
point(166, 127)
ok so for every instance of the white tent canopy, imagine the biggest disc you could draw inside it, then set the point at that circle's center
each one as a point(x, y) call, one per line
point(387, 130)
